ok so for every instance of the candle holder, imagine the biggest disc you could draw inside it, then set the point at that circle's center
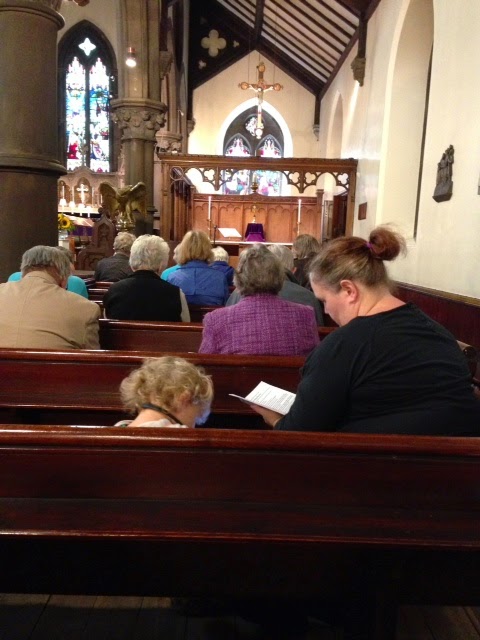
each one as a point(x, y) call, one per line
point(299, 224)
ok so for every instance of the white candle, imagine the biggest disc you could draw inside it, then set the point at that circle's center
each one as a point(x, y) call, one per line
point(209, 215)
point(299, 215)
point(93, 196)
point(63, 191)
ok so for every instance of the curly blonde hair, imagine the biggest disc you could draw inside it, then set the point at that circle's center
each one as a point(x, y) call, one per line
point(167, 381)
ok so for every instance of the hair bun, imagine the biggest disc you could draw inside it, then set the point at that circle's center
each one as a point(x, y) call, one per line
point(385, 244)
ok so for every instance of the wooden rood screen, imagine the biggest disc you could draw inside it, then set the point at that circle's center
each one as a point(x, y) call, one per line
point(183, 208)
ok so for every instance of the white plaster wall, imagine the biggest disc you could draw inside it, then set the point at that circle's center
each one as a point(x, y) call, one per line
point(104, 14)
point(217, 98)
point(446, 252)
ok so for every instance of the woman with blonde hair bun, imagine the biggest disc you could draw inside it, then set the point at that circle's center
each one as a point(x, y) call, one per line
point(388, 368)
point(167, 392)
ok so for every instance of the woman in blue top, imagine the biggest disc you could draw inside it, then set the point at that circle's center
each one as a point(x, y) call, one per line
point(199, 283)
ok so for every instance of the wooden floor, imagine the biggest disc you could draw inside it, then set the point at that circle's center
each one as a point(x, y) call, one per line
point(42, 617)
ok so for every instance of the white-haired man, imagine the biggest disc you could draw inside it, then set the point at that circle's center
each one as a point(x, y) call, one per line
point(144, 295)
point(37, 312)
point(116, 267)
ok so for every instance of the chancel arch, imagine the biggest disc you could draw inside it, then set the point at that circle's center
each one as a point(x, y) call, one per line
point(406, 112)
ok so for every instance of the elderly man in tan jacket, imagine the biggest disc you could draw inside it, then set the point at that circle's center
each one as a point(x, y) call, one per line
point(37, 312)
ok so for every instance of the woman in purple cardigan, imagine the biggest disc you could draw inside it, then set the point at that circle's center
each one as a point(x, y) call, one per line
point(262, 323)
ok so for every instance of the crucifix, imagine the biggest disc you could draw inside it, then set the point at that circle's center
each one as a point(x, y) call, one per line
point(260, 86)
point(83, 189)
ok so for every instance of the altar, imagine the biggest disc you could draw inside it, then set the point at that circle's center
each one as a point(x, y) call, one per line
point(235, 248)
point(283, 218)
point(270, 219)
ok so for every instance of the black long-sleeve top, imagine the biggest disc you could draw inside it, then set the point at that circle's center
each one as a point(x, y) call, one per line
point(393, 372)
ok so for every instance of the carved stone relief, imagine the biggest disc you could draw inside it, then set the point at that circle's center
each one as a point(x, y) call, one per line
point(137, 122)
point(444, 187)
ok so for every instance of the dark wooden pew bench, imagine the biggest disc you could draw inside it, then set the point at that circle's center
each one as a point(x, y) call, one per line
point(240, 513)
point(82, 387)
point(128, 335)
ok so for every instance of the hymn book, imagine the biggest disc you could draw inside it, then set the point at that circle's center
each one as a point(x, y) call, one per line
point(269, 397)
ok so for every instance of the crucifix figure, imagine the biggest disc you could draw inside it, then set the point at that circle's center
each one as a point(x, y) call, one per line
point(260, 86)
point(83, 189)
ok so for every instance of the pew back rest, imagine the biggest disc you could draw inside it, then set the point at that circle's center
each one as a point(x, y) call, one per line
point(129, 335)
point(134, 335)
point(236, 486)
point(90, 380)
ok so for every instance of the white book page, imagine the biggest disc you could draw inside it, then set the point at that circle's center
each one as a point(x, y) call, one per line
point(270, 397)
point(229, 232)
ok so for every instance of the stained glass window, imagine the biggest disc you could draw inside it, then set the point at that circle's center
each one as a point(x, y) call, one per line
point(88, 80)
point(238, 147)
point(270, 146)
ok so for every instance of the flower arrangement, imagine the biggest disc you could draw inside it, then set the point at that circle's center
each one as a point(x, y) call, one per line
point(64, 223)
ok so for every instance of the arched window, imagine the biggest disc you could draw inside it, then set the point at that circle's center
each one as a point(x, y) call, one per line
point(240, 140)
point(87, 76)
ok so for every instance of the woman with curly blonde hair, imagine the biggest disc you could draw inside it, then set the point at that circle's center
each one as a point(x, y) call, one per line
point(167, 392)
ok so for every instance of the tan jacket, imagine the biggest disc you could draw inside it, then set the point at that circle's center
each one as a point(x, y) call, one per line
point(37, 313)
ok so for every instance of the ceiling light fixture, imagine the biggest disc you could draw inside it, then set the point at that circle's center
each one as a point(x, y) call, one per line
point(131, 59)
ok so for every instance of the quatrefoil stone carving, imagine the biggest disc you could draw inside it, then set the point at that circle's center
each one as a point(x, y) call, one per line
point(213, 43)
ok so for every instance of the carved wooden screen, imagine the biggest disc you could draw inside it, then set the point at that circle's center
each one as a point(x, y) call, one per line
point(279, 215)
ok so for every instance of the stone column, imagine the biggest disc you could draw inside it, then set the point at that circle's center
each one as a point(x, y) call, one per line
point(139, 120)
point(139, 113)
point(29, 165)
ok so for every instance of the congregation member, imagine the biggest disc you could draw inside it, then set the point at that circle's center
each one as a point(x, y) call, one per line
point(388, 368)
point(200, 284)
point(74, 283)
point(116, 267)
point(305, 248)
point(261, 322)
point(173, 268)
point(220, 262)
point(143, 295)
point(167, 392)
point(290, 290)
point(37, 312)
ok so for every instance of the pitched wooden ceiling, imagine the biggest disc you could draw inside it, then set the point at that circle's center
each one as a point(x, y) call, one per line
point(308, 39)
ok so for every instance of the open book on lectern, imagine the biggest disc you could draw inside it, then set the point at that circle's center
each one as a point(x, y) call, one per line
point(229, 232)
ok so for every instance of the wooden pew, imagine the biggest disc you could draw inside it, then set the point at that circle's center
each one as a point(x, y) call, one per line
point(82, 387)
point(198, 311)
point(95, 294)
point(157, 512)
point(128, 335)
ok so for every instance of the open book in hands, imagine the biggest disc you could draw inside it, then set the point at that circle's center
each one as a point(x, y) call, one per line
point(270, 397)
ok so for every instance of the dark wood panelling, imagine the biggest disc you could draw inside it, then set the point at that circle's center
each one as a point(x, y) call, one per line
point(460, 315)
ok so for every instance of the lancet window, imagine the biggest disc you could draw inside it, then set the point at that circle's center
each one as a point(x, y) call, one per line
point(87, 84)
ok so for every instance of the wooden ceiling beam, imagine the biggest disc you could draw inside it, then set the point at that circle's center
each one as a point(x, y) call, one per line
point(291, 67)
point(259, 13)
point(294, 19)
point(335, 25)
point(340, 16)
point(319, 63)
